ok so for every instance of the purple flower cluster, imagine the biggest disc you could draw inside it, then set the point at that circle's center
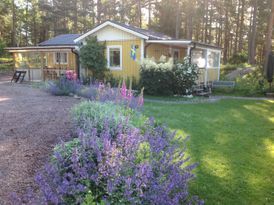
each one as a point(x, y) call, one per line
point(136, 166)
point(114, 160)
point(64, 86)
point(96, 92)
point(105, 93)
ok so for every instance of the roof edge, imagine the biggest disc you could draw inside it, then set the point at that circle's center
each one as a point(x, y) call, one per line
point(109, 23)
point(35, 48)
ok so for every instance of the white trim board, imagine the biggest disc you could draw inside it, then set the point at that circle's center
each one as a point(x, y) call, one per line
point(108, 23)
point(169, 41)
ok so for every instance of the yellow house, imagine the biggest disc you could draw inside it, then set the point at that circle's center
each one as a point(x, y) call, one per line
point(126, 47)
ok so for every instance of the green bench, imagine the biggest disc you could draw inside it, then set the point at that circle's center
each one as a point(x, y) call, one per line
point(223, 84)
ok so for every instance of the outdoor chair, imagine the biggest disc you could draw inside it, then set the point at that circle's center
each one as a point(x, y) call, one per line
point(18, 76)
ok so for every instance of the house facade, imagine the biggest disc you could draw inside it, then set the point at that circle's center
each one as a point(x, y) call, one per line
point(126, 47)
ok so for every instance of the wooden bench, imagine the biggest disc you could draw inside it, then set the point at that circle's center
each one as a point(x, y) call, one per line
point(223, 84)
point(18, 76)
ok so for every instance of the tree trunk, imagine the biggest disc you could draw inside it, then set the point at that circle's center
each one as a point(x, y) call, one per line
point(13, 33)
point(210, 22)
point(99, 11)
point(252, 48)
point(268, 40)
point(178, 21)
point(149, 13)
point(237, 28)
point(241, 34)
point(227, 36)
point(189, 20)
point(206, 20)
point(75, 22)
point(27, 23)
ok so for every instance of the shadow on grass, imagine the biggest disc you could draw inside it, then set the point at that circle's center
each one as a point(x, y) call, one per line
point(233, 142)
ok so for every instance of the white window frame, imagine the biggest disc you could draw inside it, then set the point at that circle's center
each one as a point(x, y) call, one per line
point(121, 57)
point(214, 67)
point(62, 63)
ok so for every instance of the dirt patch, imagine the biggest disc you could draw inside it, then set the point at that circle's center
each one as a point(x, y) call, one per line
point(31, 123)
point(6, 75)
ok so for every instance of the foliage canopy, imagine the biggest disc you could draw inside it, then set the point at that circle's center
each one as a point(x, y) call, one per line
point(92, 56)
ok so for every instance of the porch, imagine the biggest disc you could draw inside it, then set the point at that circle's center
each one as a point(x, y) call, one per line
point(44, 63)
point(207, 57)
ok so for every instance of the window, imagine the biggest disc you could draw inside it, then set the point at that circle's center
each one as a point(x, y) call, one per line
point(61, 58)
point(198, 57)
point(176, 54)
point(114, 57)
point(213, 59)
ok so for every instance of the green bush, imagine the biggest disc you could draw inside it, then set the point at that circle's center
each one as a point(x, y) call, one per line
point(185, 76)
point(252, 84)
point(116, 81)
point(97, 113)
point(228, 68)
point(5, 66)
point(2, 46)
point(238, 58)
point(92, 56)
point(166, 78)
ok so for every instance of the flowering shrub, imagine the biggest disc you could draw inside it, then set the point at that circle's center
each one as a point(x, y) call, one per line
point(71, 75)
point(157, 77)
point(163, 64)
point(97, 92)
point(88, 115)
point(166, 78)
point(105, 93)
point(114, 163)
point(66, 85)
point(185, 76)
point(109, 170)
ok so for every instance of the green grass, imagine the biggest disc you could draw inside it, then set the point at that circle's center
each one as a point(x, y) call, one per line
point(233, 142)
point(173, 98)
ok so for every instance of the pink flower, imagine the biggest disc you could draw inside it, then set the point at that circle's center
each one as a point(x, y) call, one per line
point(71, 75)
point(124, 90)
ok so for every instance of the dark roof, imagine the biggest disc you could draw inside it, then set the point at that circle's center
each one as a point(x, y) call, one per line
point(152, 35)
point(61, 40)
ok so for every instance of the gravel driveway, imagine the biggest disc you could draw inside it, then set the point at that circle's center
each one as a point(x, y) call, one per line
point(31, 123)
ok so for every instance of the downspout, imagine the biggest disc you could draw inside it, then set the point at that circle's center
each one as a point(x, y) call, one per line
point(77, 62)
point(145, 50)
point(190, 52)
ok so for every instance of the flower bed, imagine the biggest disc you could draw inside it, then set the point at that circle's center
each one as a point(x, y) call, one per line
point(118, 156)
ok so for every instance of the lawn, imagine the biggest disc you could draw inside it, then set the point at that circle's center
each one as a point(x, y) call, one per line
point(233, 142)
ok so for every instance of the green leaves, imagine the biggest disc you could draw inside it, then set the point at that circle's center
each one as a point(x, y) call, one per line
point(92, 56)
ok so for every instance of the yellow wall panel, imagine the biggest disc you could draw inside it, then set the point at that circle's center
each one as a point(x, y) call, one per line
point(130, 67)
point(212, 74)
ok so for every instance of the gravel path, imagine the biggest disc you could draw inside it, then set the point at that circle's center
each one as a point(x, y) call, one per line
point(31, 123)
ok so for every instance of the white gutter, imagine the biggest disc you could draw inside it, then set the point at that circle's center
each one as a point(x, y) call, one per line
point(38, 48)
point(168, 41)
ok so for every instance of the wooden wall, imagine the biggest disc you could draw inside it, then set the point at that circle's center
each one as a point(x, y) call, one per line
point(38, 60)
point(156, 50)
